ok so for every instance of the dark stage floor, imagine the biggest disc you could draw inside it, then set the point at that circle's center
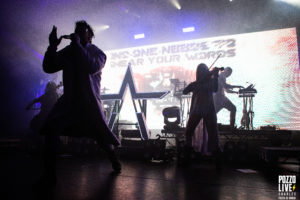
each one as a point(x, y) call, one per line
point(89, 177)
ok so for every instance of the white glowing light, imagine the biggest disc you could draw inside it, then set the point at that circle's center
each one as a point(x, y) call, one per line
point(295, 3)
point(188, 29)
point(176, 4)
point(100, 28)
point(139, 36)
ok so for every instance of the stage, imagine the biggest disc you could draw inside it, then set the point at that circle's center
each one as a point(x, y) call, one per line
point(89, 177)
point(166, 145)
point(84, 172)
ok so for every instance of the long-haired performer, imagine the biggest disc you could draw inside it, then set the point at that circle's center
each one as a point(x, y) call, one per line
point(78, 112)
point(202, 107)
point(47, 101)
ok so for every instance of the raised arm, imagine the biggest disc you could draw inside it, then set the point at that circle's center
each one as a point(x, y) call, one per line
point(53, 60)
point(209, 85)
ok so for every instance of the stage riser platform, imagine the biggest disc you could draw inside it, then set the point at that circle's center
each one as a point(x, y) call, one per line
point(247, 144)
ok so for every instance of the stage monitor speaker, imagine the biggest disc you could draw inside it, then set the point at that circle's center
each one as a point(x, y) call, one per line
point(268, 128)
point(130, 133)
point(132, 143)
point(224, 127)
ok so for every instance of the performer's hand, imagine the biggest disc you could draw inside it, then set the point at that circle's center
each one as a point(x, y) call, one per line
point(215, 72)
point(53, 40)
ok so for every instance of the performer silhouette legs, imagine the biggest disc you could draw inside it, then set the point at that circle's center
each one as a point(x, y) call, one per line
point(227, 104)
point(210, 122)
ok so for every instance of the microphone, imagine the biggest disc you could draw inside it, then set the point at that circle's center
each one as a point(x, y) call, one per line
point(70, 37)
point(66, 36)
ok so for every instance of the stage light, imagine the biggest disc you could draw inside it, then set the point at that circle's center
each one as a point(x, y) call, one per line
point(188, 29)
point(106, 27)
point(172, 117)
point(100, 28)
point(139, 36)
point(176, 4)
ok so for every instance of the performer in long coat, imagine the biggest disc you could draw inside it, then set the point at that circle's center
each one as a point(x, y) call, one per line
point(202, 107)
point(78, 112)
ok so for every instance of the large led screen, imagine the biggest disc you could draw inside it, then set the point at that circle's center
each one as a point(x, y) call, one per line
point(268, 60)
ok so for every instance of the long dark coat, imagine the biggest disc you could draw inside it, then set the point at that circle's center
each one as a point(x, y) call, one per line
point(78, 112)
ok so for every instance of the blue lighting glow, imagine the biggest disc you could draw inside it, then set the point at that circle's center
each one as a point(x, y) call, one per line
point(188, 29)
point(139, 36)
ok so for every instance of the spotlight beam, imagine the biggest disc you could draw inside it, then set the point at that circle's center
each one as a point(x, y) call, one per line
point(176, 4)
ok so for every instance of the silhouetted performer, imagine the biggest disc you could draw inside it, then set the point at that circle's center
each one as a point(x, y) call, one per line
point(220, 100)
point(202, 107)
point(78, 112)
point(47, 101)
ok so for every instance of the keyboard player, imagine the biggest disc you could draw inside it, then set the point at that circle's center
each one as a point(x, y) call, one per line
point(220, 100)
